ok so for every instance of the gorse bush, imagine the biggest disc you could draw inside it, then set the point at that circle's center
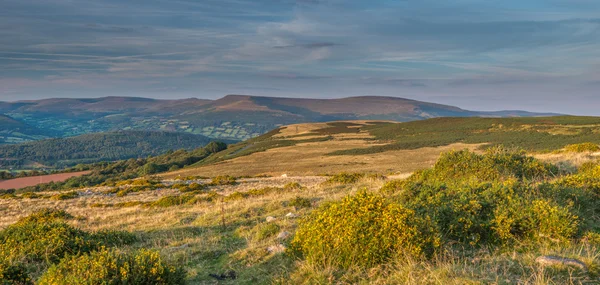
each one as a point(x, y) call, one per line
point(497, 163)
point(300, 202)
point(114, 267)
point(14, 274)
point(46, 215)
point(491, 199)
point(44, 238)
point(65, 196)
point(345, 178)
point(364, 229)
point(497, 199)
point(583, 147)
point(224, 180)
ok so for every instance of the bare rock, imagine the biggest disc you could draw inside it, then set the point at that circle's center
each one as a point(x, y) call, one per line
point(276, 248)
point(549, 260)
point(270, 219)
point(291, 215)
point(283, 235)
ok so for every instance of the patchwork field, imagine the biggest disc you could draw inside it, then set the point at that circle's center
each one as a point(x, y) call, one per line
point(35, 180)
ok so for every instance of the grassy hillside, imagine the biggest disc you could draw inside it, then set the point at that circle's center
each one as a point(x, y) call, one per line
point(380, 146)
point(13, 131)
point(92, 148)
point(500, 217)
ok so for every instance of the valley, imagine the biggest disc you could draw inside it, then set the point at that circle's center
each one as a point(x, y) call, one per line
point(233, 117)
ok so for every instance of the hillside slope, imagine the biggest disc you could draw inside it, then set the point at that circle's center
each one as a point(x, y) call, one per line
point(388, 147)
point(97, 147)
point(232, 117)
point(13, 131)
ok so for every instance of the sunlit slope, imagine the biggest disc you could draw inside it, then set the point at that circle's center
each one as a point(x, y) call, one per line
point(389, 147)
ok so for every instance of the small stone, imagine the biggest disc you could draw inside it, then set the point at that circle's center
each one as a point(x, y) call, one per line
point(270, 219)
point(291, 215)
point(549, 260)
point(284, 176)
point(283, 235)
point(276, 248)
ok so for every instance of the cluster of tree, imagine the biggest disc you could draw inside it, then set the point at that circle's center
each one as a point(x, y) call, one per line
point(108, 173)
point(66, 152)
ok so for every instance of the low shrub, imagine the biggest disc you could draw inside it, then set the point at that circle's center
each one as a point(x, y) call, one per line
point(204, 198)
point(14, 274)
point(236, 196)
point(583, 147)
point(114, 267)
point(493, 199)
point(264, 231)
point(65, 196)
point(44, 238)
point(292, 186)
point(46, 216)
point(31, 195)
point(363, 229)
point(190, 187)
point(300, 202)
point(9, 196)
point(224, 180)
point(43, 242)
point(169, 201)
point(345, 178)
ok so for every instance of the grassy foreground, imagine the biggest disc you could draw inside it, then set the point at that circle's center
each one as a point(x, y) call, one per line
point(471, 219)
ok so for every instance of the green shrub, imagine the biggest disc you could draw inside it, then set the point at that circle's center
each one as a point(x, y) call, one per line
point(43, 242)
point(236, 196)
point(264, 231)
point(364, 230)
point(493, 198)
point(9, 196)
point(345, 178)
point(14, 274)
point(46, 216)
point(169, 201)
point(300, 202)
point(65, 196)
point(31, 195)
point(583, 147)
point(496, 164)
point(190, 188)
point(392, 187)
point(114, 267)
point(292, 186)
point(224, 180)
point(43, 238)
point(208, 197)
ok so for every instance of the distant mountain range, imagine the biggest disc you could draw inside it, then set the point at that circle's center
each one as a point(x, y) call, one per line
point(236, 117)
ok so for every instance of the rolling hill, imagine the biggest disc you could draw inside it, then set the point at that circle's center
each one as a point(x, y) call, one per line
point(388, 147)
point(13, 131)
point(90, 148)
point(237, 117)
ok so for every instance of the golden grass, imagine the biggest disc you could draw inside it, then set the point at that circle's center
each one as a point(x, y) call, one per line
point(219, 236)
point(307, 159)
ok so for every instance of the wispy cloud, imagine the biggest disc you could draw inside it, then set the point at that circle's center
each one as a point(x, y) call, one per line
point(439, 50)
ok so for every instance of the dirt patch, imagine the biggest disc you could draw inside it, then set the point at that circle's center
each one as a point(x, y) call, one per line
point(35, 180)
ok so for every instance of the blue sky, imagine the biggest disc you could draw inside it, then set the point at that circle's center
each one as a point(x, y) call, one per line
point(476, 54)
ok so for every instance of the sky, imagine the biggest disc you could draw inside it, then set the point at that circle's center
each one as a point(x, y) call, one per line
point(476, 54)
